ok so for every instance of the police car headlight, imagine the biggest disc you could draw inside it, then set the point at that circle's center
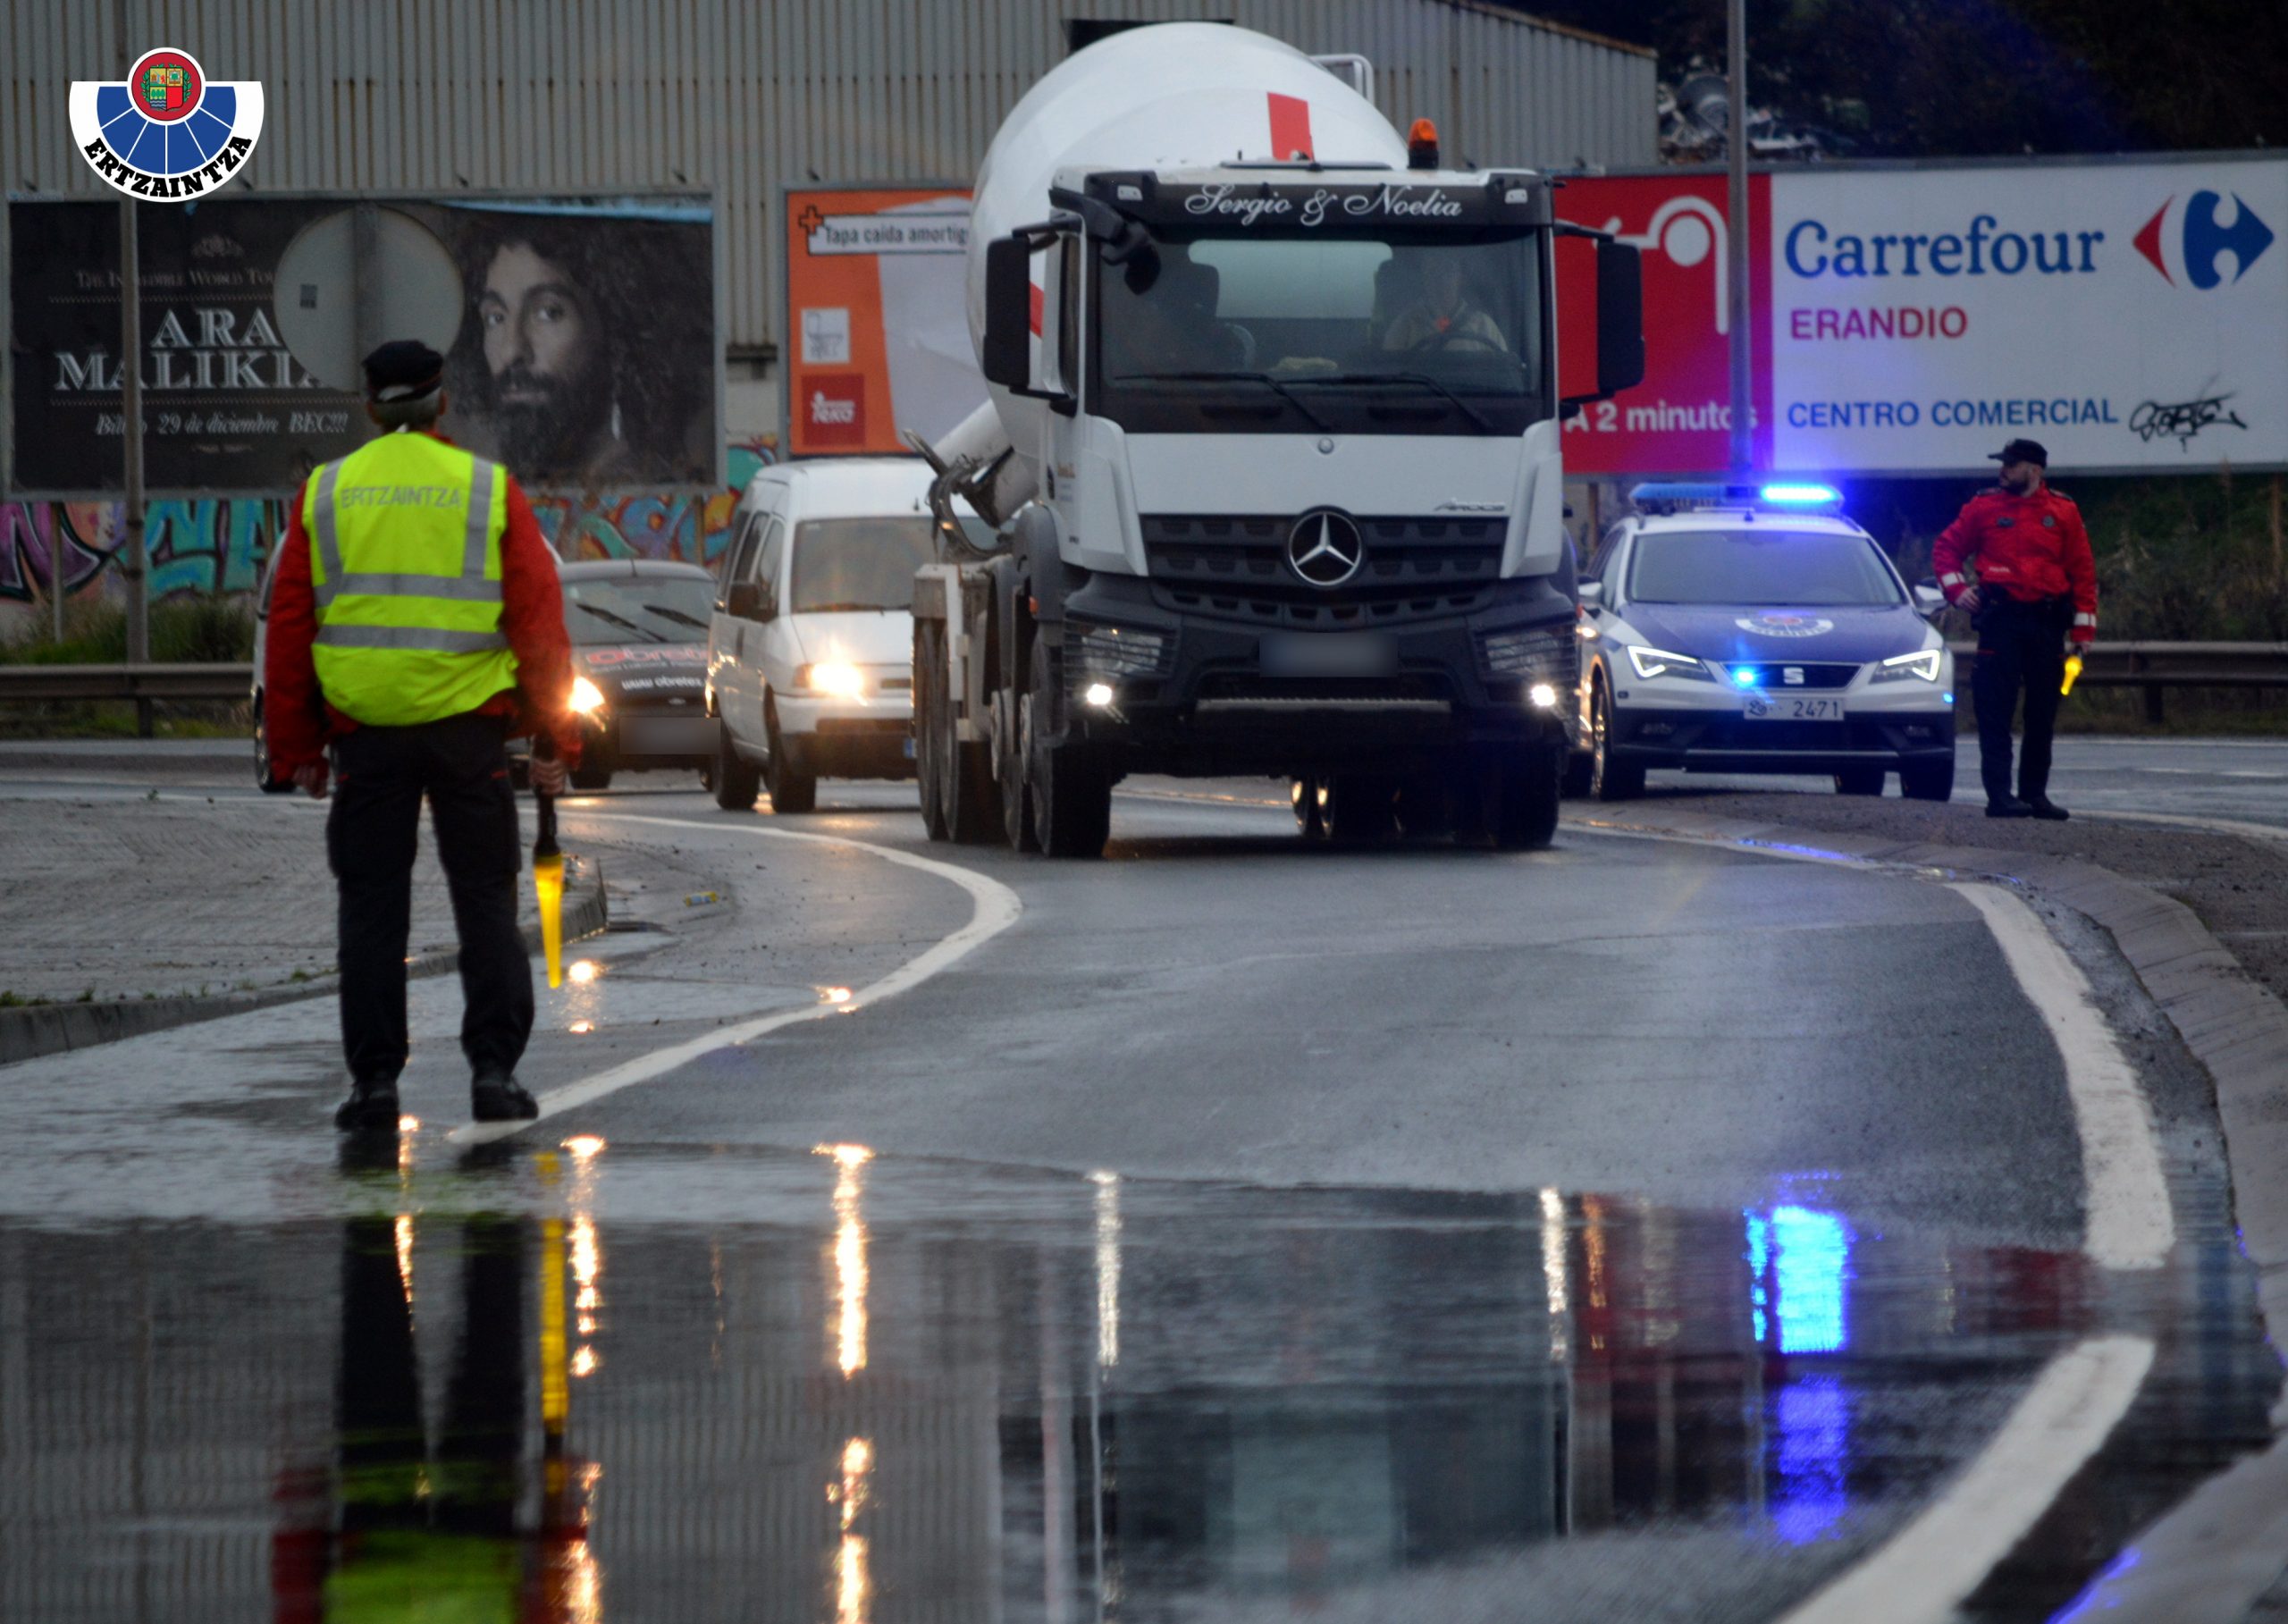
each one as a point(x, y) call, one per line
point(587, 698)
point(1921, 665)
point(1660, 662)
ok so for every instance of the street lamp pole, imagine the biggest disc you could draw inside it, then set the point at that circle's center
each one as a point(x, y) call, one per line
point(1736, 235)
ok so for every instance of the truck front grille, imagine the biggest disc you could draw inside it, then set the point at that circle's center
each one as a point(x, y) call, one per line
point(1413, 569)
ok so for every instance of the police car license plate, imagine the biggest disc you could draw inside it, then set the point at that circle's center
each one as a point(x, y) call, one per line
point(1789, 708)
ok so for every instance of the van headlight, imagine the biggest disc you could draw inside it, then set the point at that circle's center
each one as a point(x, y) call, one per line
point(1922, 665)
point(833, 678)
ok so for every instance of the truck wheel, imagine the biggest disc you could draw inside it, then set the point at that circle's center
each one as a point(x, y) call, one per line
point(1017, 825)
point(1931, 782)
point(1859, 781)
point(1361, 807)
point(736, 782)
point(1608, 779)
point(1424, 806)
point(790, 791)
point(1071, 793)
point(929, 747)
point(1308, 801)
point(1579, 764)
point(1524, 793)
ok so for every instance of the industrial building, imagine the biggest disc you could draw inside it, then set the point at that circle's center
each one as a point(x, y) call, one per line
point(744, 97)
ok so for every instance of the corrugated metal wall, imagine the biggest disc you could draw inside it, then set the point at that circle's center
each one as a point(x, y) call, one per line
point(745, 96)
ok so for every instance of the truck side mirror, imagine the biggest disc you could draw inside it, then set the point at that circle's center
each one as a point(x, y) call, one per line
point(1620, 317)
point(1007, 354)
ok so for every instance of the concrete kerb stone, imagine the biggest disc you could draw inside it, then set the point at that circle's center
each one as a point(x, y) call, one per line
point(2215, 1555)
point(49, 1029)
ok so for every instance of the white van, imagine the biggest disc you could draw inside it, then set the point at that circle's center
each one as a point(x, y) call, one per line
point(809, 650)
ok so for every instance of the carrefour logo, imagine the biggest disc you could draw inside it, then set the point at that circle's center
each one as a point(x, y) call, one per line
point(2189, 242)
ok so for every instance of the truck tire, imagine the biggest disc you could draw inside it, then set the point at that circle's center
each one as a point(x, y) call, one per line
point(1525, 793)
point(1070, 790)
point(1579, 764)
point(1361, 807)
point(1931, 782)
point(736, 782)
point(1018, 827)
point(1425, 806)
point(928, 743)
point(791, 791)
point(1608, 779)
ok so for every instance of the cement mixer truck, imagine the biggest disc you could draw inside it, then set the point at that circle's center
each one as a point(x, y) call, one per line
point(1272, 452)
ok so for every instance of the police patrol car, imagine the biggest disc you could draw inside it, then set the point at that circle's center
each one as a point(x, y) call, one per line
point(1733, 628)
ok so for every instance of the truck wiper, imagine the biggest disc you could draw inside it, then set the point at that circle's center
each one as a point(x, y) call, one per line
point(1420, 380)
point(1264, 378)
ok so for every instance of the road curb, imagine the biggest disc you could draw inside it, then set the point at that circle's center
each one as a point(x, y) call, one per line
point(51, 1029)
point(2217, 1552)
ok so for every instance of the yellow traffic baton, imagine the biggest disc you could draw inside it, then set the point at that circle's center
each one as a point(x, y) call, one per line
point(548, 873)
point(2073, 669)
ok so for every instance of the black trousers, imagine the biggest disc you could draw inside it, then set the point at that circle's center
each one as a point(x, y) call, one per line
point(2019, 645)
point(382, 776)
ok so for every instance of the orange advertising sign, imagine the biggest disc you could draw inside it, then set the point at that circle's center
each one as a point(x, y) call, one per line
point(877, 333)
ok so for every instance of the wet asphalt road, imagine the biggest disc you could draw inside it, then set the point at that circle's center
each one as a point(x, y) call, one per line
point(1250, 1231)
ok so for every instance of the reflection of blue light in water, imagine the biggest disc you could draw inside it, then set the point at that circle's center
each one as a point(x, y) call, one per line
point(2083, 1604)
point(1799, 1262)
point(1813, 1417)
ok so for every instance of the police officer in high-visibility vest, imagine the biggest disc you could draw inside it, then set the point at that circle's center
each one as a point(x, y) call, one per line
point(2035, 595)
point(414, 625)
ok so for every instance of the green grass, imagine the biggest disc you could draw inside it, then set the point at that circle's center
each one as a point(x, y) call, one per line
point(189, 630)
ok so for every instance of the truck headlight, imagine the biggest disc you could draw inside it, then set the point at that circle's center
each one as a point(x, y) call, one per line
point(1922, 665)
point(587, 698)
point(1543, 697)
point(1650, 662)
point(831, 677)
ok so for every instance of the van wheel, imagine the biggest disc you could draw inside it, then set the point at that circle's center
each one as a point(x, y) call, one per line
point(790, 791)
point(736, 782)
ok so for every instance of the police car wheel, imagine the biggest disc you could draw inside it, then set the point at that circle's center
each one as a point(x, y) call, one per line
point(1931, 782)
point(1608, 779)
point(1859, 781)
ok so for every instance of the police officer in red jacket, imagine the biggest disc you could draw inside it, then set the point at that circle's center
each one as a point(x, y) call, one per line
point(2035, 594)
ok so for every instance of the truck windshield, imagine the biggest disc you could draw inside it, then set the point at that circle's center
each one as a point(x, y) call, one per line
point(858, 564)
point(1406, 335)
point(1769, 569)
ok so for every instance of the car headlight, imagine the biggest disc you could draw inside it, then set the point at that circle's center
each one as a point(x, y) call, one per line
point(1922, 665)
point(587, 698)
point(1660, 662)
point(832, 678)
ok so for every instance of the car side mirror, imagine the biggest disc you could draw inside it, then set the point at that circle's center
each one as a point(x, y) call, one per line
point(748, 601)
point(1928, 599)
point(1593, 593)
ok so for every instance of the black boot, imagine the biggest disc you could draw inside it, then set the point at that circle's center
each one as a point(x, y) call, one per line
point(2042, 806)
point(2008, 807)
point(497, 1097)
point(371, 1108)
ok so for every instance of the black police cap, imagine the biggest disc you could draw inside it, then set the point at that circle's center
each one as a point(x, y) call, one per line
point(2021, 450)
point(403, 369)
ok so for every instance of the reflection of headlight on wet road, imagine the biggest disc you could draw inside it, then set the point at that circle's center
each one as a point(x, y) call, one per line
point(587, 698)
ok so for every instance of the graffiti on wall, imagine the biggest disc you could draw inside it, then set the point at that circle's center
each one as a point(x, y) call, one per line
point(210, 548)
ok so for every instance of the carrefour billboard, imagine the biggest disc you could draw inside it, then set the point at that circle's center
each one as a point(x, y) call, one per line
point(2133, 317)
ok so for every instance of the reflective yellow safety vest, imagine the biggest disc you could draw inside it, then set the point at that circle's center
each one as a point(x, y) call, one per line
point(405, 557)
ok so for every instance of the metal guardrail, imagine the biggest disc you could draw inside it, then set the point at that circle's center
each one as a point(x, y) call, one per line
point(185, 681)
point(2157, 667)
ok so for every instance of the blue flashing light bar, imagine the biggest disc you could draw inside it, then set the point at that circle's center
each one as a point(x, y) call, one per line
point(1802, 496)
point(1677, 495)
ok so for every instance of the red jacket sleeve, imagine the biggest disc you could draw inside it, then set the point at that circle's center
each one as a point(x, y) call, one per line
point(531, 614)
point(1957, 545)
point(293, 709)
point(2081, 573)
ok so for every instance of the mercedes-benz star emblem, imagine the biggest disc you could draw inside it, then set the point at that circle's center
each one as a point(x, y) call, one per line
point(1326, 549)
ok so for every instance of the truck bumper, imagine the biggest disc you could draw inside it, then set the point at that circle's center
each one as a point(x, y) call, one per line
point(1195, 695)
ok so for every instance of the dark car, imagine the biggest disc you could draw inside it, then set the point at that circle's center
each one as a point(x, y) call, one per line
point(639, 659)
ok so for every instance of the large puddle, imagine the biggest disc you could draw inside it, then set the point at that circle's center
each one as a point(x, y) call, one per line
point(893, 1389)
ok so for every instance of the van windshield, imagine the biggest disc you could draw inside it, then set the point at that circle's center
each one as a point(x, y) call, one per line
point(858, 564)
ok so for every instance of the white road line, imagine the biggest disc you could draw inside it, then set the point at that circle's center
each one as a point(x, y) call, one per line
point(2130, 1225)
point(996, 907)
point(1932, 1565)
